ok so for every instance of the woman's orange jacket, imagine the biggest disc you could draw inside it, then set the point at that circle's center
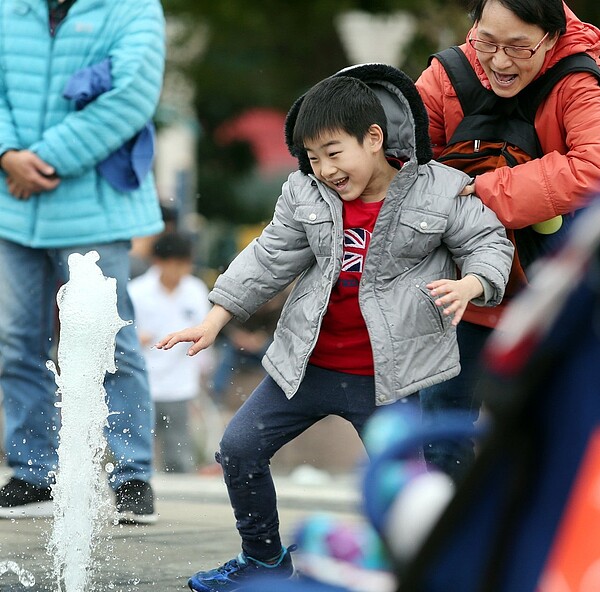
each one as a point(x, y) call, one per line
point(568, 127)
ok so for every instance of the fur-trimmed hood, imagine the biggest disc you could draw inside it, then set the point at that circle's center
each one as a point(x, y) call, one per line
point(408, 124)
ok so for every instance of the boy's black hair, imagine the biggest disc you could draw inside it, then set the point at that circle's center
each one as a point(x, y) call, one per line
point(549, 15)
point(373, 75)
point(173, 245)
point(339, 103)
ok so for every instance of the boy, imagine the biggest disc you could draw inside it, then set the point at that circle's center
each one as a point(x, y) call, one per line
point(166, 297)
point(360, 328)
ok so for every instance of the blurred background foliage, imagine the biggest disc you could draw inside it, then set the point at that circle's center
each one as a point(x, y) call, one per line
point(235, 56)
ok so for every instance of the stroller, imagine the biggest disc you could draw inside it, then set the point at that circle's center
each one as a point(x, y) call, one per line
point(524, 519)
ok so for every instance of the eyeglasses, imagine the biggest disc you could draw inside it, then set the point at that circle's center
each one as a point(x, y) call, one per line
point(517, 53)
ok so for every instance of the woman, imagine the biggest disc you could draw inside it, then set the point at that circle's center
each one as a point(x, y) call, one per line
point(511, 43)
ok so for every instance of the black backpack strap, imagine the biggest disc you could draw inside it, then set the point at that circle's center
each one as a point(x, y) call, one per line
point(539, 89)
point(487, 116)
point(469, 90)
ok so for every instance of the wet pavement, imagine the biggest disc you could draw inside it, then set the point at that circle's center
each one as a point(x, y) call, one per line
point(195, 531)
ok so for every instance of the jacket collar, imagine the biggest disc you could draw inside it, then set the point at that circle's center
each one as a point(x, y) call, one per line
point(40, 7)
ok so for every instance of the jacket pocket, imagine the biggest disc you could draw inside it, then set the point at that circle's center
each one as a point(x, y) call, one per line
point(318, 225)
point(434, 320)
point(418, 233)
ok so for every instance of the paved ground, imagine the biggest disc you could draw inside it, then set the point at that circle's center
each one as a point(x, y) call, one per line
point(195, 531)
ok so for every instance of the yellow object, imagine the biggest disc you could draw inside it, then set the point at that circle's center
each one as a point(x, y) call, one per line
point(549, 226)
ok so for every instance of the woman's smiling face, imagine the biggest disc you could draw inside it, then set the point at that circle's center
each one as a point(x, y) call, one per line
point(498, 24)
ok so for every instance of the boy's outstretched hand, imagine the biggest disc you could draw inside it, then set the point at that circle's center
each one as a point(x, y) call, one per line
point(454, 295)
point(202, 335)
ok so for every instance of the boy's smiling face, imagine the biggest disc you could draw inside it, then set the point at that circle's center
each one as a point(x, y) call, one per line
point(353, 170)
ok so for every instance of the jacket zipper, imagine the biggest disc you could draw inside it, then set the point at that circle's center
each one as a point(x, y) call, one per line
point(478, 153)
point(474, 155)
point(334, 257)
point(510, 159)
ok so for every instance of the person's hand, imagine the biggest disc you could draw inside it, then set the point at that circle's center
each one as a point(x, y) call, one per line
point(468, 189)
point(202, 335)
point(454, 295)
point(27, 174)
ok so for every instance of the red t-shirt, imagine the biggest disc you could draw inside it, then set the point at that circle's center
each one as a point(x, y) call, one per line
point(343, 344)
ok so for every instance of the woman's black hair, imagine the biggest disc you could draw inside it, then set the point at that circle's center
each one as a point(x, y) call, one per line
point(338, 103)
point(549, 15)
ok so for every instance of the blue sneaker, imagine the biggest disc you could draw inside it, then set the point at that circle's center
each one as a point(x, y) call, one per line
point(234, 574)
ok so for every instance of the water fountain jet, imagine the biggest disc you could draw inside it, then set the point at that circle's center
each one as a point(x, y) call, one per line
point(89, 322)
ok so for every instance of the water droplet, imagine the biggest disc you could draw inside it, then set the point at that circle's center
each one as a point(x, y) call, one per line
point(109, 467)
point(27, 579)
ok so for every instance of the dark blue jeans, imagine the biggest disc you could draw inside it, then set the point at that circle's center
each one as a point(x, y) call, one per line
point(454, 457)
point(266, 422)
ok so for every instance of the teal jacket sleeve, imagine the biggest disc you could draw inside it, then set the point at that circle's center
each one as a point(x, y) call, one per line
point(8, 136)
point(86, 137)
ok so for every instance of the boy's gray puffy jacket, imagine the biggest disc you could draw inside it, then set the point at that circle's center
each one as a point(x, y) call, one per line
point(423, 231)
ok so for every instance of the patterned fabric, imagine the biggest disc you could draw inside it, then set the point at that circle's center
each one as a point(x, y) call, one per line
point(343, 344)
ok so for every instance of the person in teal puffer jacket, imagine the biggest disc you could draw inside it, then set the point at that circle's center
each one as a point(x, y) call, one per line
point(57, 198)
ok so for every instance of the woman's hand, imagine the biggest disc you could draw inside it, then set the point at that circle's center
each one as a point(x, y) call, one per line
point(468, 189)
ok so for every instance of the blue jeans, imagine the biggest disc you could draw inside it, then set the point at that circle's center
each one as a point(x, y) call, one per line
point(30, 279)
point(266, 422)
point(454, 457)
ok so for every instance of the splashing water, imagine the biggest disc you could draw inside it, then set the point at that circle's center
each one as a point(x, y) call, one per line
point(25, 578)
point(89, 322)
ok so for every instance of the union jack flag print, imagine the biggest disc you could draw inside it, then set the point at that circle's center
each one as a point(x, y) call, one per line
point(355, 239)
